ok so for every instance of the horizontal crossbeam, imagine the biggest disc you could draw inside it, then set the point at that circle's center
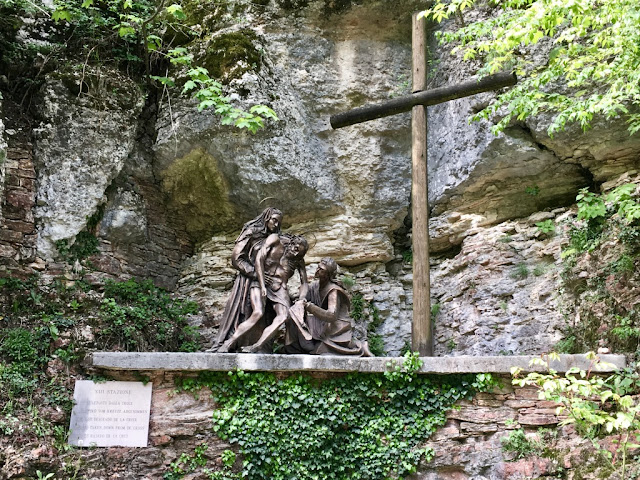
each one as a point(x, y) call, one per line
point(426, 97)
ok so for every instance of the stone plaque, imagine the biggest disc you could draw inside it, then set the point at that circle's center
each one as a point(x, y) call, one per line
point(110, 414)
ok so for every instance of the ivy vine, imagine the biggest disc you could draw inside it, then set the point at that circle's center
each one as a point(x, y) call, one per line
point(591, 47)
point(358, 426)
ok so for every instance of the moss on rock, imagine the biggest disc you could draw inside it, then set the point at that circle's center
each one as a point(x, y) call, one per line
point(199, 193)
point(230, 55)
point(211, 15)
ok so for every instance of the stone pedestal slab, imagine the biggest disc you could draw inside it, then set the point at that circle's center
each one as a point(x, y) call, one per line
point(175, 361)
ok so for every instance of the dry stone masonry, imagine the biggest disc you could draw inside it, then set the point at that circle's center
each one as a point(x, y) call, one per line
point(469, 446)
point(17, 228)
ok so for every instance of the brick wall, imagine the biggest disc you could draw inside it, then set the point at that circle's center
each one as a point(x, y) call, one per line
point(17, 225)
point(159, 257)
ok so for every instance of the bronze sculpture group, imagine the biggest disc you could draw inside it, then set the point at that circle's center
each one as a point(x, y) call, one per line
point(259, 304)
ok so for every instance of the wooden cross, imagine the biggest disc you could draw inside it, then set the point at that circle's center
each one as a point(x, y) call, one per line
point(417, 102)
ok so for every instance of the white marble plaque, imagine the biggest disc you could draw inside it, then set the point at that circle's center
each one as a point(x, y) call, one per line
point(110, 414)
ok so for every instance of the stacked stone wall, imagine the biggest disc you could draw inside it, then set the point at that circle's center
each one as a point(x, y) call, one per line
point(17, 224)
point(468, 446)
point(159, 255)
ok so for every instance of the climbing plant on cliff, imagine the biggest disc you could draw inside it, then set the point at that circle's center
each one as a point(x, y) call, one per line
point(148, 40)
point(590, 54)
point(155, 31)
point(600, 275)
point(358, 426)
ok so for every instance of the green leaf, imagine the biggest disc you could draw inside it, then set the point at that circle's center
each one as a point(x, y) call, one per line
point(154, 42)
point(60, 14)
point(176, 11)
point(264, 111)
point(188, 86)
point(126, 30)
point(163, 80)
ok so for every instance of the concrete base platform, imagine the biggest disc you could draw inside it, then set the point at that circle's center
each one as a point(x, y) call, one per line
point(174, 361)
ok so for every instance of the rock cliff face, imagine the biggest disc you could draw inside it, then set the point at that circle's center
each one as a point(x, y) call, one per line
point(161, 190)
point(477, 181)
point(3, 158)
point(80, 147)
point(348, 188)
point(107, 179)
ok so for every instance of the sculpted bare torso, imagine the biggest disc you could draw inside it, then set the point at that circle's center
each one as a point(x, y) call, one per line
point(276, 263)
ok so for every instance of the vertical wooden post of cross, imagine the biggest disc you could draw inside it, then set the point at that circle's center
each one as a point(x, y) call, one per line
point(421, 331)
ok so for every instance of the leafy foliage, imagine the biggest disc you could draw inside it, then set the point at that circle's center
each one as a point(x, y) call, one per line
point(597, 406)
point(186, 464)
point(49, 326)
point(435, 310)
point(520, 445)
point(534, 190)
point(626, 329)
point(520, 272)
point(603, 243)
point(546, 226)
point(24, 352)
point(140, 316)
point(141, 22)
point(85, 245)
point(594, 210)
point(147, 39)
point(209, 94)
point(353, 427)
point(591, 46)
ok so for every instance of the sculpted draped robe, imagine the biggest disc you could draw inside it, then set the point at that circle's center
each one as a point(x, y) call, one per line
point(238, 307)
point(307, 333)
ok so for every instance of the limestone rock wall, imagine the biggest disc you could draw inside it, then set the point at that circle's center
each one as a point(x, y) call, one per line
point(80, 147)
point(494, 290)
point(165, 189)
point(85, 169)
point(478, 178)
point(347, 188)
point(500, 294)
point(3, 157)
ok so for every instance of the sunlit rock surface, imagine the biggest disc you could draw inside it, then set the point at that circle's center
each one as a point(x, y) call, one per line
point(171, 187)
point(80, 147)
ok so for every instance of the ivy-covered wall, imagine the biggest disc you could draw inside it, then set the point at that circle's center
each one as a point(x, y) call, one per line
point(331, 426)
